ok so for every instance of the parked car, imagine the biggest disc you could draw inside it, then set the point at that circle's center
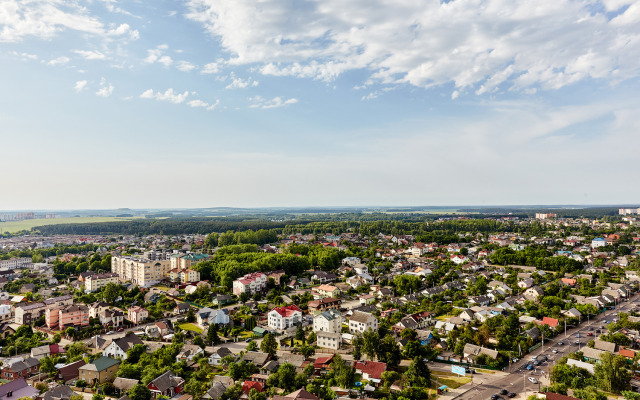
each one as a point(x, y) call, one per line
point(554, 351)
point(512, 395)
point(577, 342)
point(533, 380)
point(248, 340)
point(495, 397)
point(529, 367)
point(589, 334)
point(560, 343)
point(504, 392)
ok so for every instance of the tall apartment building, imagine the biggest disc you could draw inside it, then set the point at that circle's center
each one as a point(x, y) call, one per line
point(94, 282)
point(139, 271)
point(26, 314)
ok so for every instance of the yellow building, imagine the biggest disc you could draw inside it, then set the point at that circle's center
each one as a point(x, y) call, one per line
point(102, 370)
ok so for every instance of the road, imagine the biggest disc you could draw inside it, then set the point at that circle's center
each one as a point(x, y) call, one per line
point(517, 380)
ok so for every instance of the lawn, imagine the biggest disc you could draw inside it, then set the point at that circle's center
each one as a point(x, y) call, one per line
point(16, 226)
point(452, 382)
point(191, 327)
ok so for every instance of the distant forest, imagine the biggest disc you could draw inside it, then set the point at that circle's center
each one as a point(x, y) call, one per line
point(425, 226)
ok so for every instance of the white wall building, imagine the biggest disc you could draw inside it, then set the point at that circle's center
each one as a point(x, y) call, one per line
point(361, 321)
point(284, 317)
point(328, 321)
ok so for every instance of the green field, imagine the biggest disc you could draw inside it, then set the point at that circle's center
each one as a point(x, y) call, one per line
point(16, 226)
point(191, 327)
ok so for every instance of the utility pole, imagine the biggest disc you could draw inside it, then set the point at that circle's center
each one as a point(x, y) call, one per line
point(565, 327)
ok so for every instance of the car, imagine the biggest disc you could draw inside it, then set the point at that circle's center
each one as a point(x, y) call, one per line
point(504, 392)
point(577, 335)
point(536, 363)
point(248, 340)
point(554, 351)
point(589, 334)
point(512, 395)
point(495, 397)
point(560, 343)
point(577, 342)
point(529, 367)
point(598, 331)
point(110, 332)
point(591, 328)
point(533, 380)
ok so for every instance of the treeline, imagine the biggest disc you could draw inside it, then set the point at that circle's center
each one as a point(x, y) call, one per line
point(234, 261)
point(534, 256)
point(57, 250)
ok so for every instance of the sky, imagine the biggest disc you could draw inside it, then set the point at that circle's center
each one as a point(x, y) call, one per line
point(250, 103)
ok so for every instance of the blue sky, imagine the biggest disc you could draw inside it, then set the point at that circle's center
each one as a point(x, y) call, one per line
point(202, 103)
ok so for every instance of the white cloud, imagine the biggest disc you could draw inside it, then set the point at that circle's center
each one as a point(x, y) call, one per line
point(80, 86)
point(482, 46)
point(124, 30)
point(58, 61)
point(211, 68)
point(239, 83)
point(43, 19)
point(259, 102)
point(91, 54)
point(168, 95)
point(106, 89)
point(203, 104)
point(24, 56)
point(185, 66)
point(157, 56)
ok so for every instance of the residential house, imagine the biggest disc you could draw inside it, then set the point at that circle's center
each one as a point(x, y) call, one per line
point(533, 293)
point(361, 321)
point(284, 317)
point(216, 357)
point(97, 281)
point(181, 308)
point(328, 321)
point(328, 303)
point(99, 371)
point(329, 340)
point(26, 314)
point(61, 392)
point(471, 351)
point(370, 370)
point(299, 394)
point(167, 385)
point(69, 371)
point(188, 352)
point(137, 314)
point(250, 283)
point(111, 317)
point(208, 316)
point(327, 291)
point(67, 316)
point(118, 347)
point(16, 368)
point(16, 389)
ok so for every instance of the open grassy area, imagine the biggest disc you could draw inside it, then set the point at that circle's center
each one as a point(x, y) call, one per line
point(191, 327)
point(449, 379)
point(16, 226)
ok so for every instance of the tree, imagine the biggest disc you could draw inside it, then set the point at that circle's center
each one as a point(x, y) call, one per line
point(57, 338)
point(97, 396)
point(139, 392)
point(418, 374)
point(629, 395)
point(191, 315)
point(198, 341)
point(252, 346)
point(212, 335)
point(299, 333)
point(269, 345)
point(611, 373)
point(111, 292)
point(342, 373)
point(370, 343)
point(47, 365)
point(357, 347)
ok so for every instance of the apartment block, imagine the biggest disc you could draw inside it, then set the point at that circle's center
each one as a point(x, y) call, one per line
point(139, 271)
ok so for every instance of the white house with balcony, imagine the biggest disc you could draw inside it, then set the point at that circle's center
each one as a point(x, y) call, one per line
point(284, 317)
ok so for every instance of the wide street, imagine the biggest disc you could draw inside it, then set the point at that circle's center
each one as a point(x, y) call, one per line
point(517, 380)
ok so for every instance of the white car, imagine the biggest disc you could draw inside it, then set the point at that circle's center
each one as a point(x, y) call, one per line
point(533, 380)
point(554, 351)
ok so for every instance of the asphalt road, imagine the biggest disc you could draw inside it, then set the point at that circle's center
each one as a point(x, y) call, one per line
point(518, 379)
